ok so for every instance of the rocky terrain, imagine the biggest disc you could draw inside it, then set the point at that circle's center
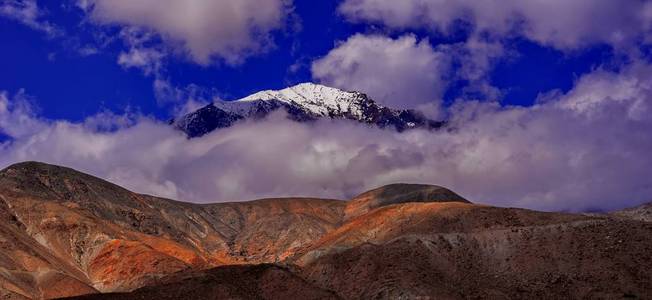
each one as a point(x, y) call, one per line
point(64, 233)
point(303, 103)
point(105, 238)
point(642, 213)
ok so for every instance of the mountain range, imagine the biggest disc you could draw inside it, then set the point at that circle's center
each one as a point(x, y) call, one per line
point(64, 233)
point(303, 103)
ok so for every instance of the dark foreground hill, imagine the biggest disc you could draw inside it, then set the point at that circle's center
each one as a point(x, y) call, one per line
point(64, 233)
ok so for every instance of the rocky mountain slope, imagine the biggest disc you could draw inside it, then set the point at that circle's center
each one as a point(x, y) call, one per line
point(65, 233)
point(303, 102)
point(642, 213)
point(461, 250)
point(109, 239)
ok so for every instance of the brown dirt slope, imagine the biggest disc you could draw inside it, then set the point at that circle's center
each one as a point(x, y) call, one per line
point(445, 251)
point(30, 270)
point(460, 250)
point(111, 239)
point(65, 233)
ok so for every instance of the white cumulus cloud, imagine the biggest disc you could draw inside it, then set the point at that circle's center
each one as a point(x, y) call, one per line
point(204, 29)
point(405, 72)
point(396, 72)
point(559, 23)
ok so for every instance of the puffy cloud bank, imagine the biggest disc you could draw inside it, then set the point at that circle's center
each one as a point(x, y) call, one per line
point(406, 72)
point(558, 23)
point(373, 64)
point(205, 29)
point(585, 149)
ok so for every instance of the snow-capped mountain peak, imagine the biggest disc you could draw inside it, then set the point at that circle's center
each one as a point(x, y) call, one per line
point(303, 102)
point(318, 99)
point(303, 92)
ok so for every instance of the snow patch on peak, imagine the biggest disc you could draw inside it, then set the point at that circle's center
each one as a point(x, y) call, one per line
point(303, 92)
point(318, 99)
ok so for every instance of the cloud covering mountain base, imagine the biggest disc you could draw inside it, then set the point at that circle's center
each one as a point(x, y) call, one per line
point(557, 155)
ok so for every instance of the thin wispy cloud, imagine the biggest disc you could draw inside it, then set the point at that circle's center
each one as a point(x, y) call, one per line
point(30, 14)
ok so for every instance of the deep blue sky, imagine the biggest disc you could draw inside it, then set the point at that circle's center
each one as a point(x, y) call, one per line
point(67, 85)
